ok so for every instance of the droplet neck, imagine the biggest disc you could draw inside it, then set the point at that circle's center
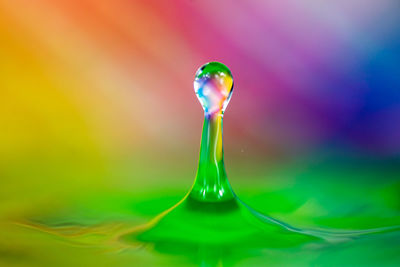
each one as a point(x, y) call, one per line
point(211, 184)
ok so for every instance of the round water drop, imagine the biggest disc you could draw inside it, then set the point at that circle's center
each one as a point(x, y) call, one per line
point(213, 85)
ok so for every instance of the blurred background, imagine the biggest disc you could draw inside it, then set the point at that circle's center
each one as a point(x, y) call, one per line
point(96, 97)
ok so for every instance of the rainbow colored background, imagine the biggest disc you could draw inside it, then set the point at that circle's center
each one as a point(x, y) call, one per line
point(97, 98)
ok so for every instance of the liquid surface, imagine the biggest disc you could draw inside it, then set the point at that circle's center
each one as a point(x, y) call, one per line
point(211, 226)
point(84, 229)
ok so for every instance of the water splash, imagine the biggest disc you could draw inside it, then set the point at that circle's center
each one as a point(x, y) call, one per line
point(211, 213)
point(213, 85)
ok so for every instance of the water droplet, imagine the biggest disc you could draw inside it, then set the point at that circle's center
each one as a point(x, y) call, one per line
point(213, 85)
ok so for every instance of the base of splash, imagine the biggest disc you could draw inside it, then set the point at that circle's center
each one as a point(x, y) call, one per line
point(192, 224)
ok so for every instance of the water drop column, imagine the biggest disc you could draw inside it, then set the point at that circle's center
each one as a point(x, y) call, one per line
point(213, 86)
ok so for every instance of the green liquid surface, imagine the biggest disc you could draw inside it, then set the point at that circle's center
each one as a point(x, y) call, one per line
point(103, 226)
